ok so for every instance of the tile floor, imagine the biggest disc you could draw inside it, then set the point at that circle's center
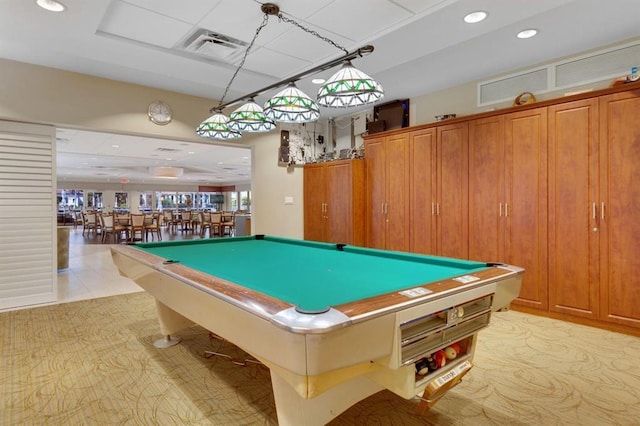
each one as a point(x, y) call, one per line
point(91, 273)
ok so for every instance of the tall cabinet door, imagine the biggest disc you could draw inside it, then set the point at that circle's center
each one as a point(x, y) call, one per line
point(620, 208)
point(376, 193)
point(345, 205)
point(452, 191)
point(314, 185)
point(397, 200)
point(486, 189)
point(422, 150)
point(526, 206)
point(573, 207)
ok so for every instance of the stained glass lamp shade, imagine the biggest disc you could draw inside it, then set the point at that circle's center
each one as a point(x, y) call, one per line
point(250, 118)
point(349, 87)
point(291, 105)
point(215, 127)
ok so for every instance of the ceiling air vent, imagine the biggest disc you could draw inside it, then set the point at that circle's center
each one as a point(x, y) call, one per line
point(213, 45)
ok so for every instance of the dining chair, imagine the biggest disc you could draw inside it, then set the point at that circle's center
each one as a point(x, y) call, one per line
point(205, 223)
point(185, 221)
point(228, 224)
point(110, 227)
point(136, 226)
point(77, 219)
point(216, 222)
point(90, 223)
point(152, 226)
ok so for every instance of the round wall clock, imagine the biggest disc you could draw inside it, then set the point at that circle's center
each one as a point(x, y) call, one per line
point(159, 113)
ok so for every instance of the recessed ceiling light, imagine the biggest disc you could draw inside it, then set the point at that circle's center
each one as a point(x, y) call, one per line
point(527, 33)
point(318, 80)
point(51, 5)
point(115, 146)
point(191, 152)
point(475, 17)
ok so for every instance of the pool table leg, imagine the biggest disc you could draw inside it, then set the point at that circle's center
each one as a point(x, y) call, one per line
point(293, 409)
point(166, 342)
point(170, 322)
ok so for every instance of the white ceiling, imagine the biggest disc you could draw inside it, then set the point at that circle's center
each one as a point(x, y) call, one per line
point(420, 46)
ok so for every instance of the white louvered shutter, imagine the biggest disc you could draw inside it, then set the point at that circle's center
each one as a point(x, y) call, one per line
point(28, 229)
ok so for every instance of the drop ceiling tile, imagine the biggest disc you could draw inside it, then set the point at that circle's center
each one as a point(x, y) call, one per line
point(420, 6)
point(300, 10)
point(192, 12)
point(267, 61)
point(307, 47)
point(359, 20)
point(134, 23)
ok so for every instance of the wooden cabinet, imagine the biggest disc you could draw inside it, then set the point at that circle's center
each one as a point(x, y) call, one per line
point(573, 206)
point(387, 202)
point(618, 212)
point(438, 191)
point(487, 189)
point(452, 191)
point(525, 208)
point(334, 202)
point(553, 188)
point(422, 191)
point(507, 197)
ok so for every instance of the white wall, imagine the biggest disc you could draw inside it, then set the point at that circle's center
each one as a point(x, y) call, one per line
point(271, 184)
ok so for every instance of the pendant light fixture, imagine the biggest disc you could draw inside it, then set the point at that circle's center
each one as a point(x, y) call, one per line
point(250, 118)
point(291, 105)
point(216, 127)
point(347, 88)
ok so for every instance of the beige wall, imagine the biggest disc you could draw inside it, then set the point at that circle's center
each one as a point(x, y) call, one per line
point(44, 95)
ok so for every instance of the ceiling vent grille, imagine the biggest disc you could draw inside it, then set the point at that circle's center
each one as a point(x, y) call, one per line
point(599, 66)
point(506, 88)
point(212, 45)
point(606, 64)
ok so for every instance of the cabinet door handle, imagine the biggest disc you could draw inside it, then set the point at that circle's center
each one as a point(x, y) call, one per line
point(437, 209)
point(433, 209)
point(602, 211)
point(506, 209)
point(500, 210)
point(593, 211)
point(382, 208)
point(386, 208)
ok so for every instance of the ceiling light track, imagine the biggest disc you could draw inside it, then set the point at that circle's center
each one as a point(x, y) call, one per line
point(358, 53)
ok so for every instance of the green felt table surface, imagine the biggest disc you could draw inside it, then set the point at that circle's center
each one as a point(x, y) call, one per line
point(310, 275)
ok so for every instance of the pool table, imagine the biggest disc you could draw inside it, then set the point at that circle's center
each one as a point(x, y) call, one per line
point(334, 323)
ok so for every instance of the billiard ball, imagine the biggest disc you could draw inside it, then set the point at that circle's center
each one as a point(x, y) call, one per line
point(440, 358)
point(456, 346)
point(460, 311)
point(450, 353)
point(433, 365)
point(422, 367)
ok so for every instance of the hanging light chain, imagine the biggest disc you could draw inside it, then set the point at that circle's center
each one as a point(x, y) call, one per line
point(265, 20)
point(312, 32)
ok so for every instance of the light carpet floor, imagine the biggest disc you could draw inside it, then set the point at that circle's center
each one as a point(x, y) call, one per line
point(93, 363)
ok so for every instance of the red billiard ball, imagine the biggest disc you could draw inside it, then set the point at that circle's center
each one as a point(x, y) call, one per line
point(440, 358)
